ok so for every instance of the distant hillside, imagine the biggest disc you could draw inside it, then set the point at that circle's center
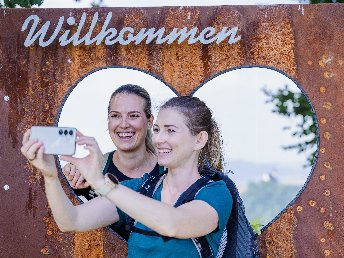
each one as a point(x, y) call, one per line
point(245, 172)
point(266, 189)
point(265, 200)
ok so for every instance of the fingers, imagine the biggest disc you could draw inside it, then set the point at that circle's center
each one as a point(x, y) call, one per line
point(26, 136)
point(85, 140)
point(40, 153)
point(80, 182)
point(69, 159)
point(66, 169)
point(30, 149)
point(74, 177)
point(74, 181)
point(79, 134)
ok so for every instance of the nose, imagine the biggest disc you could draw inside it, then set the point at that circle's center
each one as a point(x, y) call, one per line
point(124, 122)
point(158, 138)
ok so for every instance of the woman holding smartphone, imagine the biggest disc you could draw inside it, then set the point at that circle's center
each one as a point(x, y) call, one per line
point(130, 121)
point(186, 137)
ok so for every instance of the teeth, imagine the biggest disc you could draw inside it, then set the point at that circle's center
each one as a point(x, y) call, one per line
point(125, 134)
point(164, 151)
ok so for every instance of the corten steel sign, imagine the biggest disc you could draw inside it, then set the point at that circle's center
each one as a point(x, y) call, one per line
point(44, 52)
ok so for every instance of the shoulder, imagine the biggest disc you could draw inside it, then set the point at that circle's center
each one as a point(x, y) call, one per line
point(215, 189)
point(218, 196)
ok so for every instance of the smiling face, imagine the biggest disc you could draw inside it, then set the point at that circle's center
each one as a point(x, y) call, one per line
point(127, 122)
point(173, 140)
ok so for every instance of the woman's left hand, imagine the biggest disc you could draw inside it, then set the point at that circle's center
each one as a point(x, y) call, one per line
point(90, 166)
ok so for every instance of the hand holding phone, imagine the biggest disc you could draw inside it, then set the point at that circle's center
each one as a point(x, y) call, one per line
point(56, 140)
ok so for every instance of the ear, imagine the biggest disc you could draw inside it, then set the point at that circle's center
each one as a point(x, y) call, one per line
point(201, 140)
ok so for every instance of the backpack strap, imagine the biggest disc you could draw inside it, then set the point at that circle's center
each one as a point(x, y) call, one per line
point(148, 189)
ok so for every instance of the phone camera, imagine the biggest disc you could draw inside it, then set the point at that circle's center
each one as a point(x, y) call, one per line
point(66, 132)
point(60, 132)
point(70, 132)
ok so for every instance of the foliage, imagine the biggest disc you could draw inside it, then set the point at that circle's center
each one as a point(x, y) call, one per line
point(36, 3)
point(293, 104)
point(20, 3)
point(95, 3)
point(256, 226)
point(325, 1)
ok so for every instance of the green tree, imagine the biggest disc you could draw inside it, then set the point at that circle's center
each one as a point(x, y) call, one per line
point(36, 3)
point(20, 3)
point(295, 104)
point(325, 1)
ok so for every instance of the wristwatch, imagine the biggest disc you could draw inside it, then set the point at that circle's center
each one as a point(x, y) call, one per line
point(110, 183)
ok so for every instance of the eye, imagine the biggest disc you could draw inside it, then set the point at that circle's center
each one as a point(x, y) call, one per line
point(114, 115)
point(170, 131)
point(134, 116)
point(155, 129)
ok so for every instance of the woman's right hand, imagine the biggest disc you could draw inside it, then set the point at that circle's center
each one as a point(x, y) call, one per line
point(74, 177)
point(33, 150)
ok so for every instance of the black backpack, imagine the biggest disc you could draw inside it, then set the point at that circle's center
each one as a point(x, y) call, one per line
point(238, 239)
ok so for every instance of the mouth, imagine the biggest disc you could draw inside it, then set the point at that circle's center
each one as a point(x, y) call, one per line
point(164, 151)
point(125, 135)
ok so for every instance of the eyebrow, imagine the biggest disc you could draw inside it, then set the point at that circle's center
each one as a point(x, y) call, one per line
point(130, 112)
point(166, 126)
point(170, 126)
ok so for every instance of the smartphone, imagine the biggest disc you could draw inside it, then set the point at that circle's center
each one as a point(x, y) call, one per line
point(56, 140)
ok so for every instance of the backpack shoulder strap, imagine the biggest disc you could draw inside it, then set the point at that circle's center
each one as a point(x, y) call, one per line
point(191, 192)
point(240, 240)
point(148, 189)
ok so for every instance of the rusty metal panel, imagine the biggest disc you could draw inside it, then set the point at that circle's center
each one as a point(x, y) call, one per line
point(303, 41)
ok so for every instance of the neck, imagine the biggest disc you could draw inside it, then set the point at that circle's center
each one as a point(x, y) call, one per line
point(134, 163)
point(181, 178)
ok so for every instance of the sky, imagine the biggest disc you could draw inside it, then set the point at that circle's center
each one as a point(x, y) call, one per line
point(143, 3)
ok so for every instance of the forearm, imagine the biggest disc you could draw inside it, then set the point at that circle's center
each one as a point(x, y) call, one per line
point(96, 213)
point(193, 219)
point(154, 214)
point(63, 210)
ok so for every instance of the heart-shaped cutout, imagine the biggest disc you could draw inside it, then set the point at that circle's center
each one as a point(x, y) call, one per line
point(268, 177)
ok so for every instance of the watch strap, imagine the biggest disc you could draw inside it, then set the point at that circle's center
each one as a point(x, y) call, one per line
point(110, 183)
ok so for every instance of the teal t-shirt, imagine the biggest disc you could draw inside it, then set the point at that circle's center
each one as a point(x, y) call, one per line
point(216, 194)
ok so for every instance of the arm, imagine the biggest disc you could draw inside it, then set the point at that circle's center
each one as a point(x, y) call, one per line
point(96, 213)
point(196, 218)
point(193, 219)
point(91, 215)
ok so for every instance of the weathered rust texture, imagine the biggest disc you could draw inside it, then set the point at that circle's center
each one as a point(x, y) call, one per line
point(134, 55)
point(317, 33)
point(113, 246)
point(271, 39)
point(302, 41)
point(278, 238)
point(224, 56)
point(178, 57)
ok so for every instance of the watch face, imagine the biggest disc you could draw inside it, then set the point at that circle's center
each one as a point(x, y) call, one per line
point(113, 178)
